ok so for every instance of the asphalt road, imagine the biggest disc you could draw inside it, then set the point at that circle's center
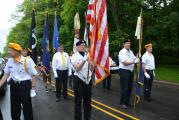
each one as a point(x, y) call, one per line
point(165, 104)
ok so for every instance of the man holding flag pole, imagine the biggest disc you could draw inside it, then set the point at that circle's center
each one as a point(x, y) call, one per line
point(127, 60)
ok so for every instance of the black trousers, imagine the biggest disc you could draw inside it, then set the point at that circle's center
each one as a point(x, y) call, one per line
point(71, 80)
point(126, 81)
point(82, 91)
point(1, 117)
point(148, 84)
point(20, 99)
point(61, 80)
point(107, 83)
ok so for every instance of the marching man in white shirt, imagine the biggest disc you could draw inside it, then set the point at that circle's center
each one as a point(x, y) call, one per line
point(82, 81)
point(60, 66)
point(127, 60)
point(21, 70)
point(149, 73)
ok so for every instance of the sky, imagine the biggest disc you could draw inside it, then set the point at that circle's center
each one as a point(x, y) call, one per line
point(7, 8)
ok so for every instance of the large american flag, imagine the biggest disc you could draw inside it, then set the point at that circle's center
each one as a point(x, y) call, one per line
point(99, 55)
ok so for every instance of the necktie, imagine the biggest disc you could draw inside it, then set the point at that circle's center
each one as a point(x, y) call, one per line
point(63, 60)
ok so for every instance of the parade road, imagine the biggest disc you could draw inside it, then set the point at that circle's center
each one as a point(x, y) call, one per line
point(165, 104)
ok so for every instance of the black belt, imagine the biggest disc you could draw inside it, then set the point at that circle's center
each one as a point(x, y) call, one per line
point(150, 71)
point(63, 70)
point(20, 82)
point(125, 70)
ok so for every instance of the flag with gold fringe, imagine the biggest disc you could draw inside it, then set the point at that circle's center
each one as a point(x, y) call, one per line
point(99, 44)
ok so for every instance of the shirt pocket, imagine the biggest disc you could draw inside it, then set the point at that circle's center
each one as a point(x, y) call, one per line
point(11, 69)
point(22, 71)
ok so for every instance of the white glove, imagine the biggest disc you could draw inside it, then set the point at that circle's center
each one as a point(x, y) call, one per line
point(33, 93)
point(147, 75)
point(85, 58)
point(154, 73)
point(55, 74)
point(136, 60)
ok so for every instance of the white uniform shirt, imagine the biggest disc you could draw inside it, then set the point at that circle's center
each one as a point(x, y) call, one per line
point(149, 61)
point(77, 58)
point(57, 61)
point(126, 55)
point(17, 70)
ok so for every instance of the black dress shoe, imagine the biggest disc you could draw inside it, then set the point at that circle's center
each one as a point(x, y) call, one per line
point(66, 97)
point(148, 99)
point(123, 106)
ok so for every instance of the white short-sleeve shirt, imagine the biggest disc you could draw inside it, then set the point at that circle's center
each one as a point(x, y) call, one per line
point(77, 58)
point(149, 61)
point(17, 70)
point(126, 55)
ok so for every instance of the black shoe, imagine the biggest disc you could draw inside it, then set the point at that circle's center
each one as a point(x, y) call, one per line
point(57, 99)
point(66, 97)
point(46, 91)
point(123, 106)
point(128, 105)
point(148, 99)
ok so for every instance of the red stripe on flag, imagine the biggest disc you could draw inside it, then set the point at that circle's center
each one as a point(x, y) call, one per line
point(98, 75)
point(102, 48)
point(90, 7)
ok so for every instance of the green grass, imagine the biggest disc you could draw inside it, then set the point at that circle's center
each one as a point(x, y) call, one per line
point(167, 73)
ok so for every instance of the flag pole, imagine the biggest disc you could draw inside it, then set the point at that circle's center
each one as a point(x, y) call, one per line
point(137, 98)
point(87, 31)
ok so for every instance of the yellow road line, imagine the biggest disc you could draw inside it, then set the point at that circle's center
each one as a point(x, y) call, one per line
point(113, 109)
point(102, 110)
point(108, 113)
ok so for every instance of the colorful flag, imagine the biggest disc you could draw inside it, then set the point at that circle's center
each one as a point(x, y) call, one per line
point(55, 34)
point(32, 45)
point(99, 51)
point(46, 46)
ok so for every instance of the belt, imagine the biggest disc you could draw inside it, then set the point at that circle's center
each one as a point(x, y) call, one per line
point(19, 82)
point(63, 70)
point(125, 70)
point(149, 70)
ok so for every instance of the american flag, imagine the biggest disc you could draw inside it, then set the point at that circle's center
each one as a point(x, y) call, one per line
point(99, 55)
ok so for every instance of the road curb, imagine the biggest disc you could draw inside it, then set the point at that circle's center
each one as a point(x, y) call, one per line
point(166, 83)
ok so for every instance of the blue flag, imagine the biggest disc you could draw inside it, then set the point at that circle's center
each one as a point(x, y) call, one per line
point(139, 82)
point(46, 46)
point(55, 34)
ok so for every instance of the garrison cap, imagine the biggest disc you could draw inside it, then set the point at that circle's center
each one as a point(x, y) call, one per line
point(15, 46)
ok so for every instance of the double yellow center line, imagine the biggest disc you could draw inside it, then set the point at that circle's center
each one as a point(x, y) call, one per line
point(71, 93)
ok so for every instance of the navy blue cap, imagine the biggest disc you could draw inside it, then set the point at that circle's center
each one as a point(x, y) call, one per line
point(126, 40)
point(80, 42)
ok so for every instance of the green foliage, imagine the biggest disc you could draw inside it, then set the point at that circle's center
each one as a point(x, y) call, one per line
point(161, 22)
